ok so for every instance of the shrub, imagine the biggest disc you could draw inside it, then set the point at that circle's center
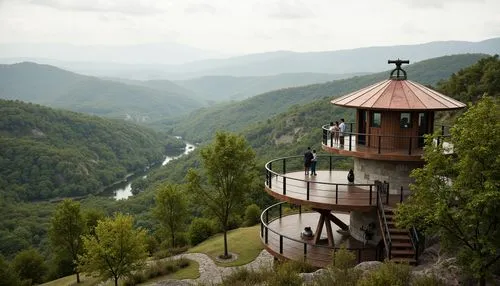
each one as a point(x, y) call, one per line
point(199, 230)
point(285, 275)
point(426, 281)
point(158, 268)
point(389, 273)
point(341, 272)
point(243, 276)
point(152, 244)
point(252, 215)
point(163, 253)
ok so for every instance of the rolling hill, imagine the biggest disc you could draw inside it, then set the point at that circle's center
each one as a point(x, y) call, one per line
point(55, 87)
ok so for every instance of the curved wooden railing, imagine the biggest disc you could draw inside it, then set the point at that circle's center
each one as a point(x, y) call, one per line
point(297, 249)
point(276, 172)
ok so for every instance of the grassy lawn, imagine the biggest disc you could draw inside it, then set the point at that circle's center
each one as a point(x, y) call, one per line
point(71, 280)
point(245, 242)
point(190, 272)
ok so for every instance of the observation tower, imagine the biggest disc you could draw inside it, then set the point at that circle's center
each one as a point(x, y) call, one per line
point(386, 143)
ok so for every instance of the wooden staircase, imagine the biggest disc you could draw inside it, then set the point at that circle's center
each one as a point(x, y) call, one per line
point(402, 250)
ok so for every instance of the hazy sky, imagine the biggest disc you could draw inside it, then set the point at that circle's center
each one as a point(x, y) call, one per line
point(248, 26)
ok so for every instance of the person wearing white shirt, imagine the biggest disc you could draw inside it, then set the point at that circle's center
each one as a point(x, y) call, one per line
point(342, 130)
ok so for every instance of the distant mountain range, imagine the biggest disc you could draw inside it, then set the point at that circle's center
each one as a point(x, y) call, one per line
point(365, 60)
point(240, 115)
point(49, 85)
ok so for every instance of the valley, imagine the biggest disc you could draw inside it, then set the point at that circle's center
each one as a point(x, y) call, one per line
point(50, 152)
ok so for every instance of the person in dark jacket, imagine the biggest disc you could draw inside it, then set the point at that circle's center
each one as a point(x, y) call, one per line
point(308, 156)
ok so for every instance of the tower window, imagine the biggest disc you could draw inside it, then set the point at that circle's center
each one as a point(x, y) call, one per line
point(376, 119)
point(405, 120)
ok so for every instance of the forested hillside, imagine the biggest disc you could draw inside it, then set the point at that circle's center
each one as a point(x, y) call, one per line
point(55, 87)
point(200, 125)
point(224, 88)
point(47, 153)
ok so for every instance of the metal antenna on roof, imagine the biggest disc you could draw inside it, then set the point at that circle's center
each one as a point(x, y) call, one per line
point(398, 68)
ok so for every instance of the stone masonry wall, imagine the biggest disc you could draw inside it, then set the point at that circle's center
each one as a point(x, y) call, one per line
point(395, 172)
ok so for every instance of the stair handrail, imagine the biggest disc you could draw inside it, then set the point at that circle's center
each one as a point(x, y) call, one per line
point(415, 241)
point(386, 235)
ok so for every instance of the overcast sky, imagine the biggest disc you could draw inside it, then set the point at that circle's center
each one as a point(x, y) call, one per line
point(248, 26)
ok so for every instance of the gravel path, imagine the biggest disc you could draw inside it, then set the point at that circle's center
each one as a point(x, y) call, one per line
point(210, 273)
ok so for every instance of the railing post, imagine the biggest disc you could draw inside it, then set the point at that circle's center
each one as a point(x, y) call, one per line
point(378, 193)
point(305, 250)
point(261, 229)
point(284, 185)
point(281, 244)
point(379, 143)
point(266, 238)
point(371, 189)
point(280, 210)
point(267, 217)
point(350, 144)
point(308, 190)
point(442, 130)
point(300, 209)
point(336, 194)
point(401, 195)
point(409, 147)
point(284, 166)
point(331, 139)
point(386, 186)
point(331, 163)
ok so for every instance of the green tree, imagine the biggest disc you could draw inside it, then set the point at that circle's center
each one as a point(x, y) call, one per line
point(116, 250)
point(229, 164)
point(91, 218)
point(29, 264)
point(457, 195)
point(65, 231)
point(171, 210)
point(8, 277)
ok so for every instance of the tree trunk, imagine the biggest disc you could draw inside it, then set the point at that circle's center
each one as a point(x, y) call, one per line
point(173, 239)
point(116, 281)
point(77, 277)
point(226, 254)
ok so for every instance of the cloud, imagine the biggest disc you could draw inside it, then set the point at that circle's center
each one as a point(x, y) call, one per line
point(117, 6)
point(193, 8)
point(290, 10)
point(439, 4)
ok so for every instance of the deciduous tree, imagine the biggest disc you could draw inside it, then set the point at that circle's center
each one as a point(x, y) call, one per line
point(30, 266)
point(65, 231)
point(115, 250)
point(229, 165)
point(457, 195)
point(171, 209)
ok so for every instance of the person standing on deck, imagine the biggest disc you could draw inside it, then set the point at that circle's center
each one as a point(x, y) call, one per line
point(341, 131)
point(313, 163)
point(307, 160)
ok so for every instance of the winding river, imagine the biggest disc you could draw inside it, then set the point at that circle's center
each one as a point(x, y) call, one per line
point(123, 191)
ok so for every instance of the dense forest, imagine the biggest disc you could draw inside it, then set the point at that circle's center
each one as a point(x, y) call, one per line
point(47, 153)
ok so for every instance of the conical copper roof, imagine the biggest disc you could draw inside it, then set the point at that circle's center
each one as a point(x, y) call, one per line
point(397, 94)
